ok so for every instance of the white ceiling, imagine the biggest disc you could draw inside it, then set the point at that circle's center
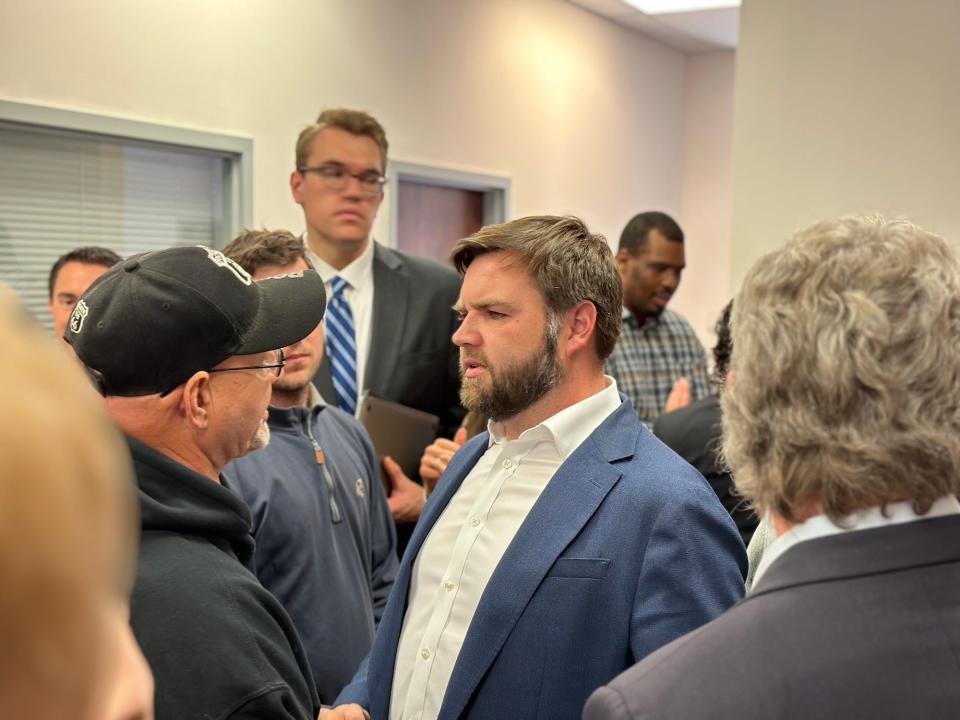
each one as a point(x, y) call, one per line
point(698, 31)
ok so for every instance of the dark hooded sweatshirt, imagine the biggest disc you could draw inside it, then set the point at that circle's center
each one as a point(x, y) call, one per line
point(220, 646)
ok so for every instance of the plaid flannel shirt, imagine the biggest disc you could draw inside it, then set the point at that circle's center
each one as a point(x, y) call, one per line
point(648, 359)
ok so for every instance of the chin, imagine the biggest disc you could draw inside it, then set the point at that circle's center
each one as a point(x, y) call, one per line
point(261, 438)
point(351, 234)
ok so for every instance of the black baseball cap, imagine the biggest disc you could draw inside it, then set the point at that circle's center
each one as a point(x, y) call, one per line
point(150, 322)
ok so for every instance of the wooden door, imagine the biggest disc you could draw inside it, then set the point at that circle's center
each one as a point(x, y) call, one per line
point(431, 218)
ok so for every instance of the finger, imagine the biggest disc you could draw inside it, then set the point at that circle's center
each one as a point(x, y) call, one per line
point(428, 471)
point(460, 437)
point(394, 471)
point(441, 445)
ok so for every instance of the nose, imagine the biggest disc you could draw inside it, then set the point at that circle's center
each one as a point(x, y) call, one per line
point(352, 189)
point(465, 334)
point(671, 279)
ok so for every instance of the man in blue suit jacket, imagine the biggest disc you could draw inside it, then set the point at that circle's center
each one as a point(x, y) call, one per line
point(568, 542)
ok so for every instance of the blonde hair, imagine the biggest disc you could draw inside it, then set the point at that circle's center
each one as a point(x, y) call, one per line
point(67, 526)
point(846, 370)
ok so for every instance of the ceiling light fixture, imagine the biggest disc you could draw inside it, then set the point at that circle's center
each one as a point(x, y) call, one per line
point(662, 7)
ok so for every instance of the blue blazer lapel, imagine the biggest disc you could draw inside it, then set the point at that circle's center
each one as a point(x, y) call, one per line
point(574, 493)
point(383, 658)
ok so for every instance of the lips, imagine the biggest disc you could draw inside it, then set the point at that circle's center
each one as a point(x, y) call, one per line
point(472, 368)
point(298, 359)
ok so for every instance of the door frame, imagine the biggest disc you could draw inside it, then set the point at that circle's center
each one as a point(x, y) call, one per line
point(495, 189)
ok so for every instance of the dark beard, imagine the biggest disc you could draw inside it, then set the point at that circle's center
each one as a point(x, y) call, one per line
point(516, 387)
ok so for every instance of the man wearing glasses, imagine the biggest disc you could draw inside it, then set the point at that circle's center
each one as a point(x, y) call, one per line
point(326, 547)
point(390, 320)
point(183, 345)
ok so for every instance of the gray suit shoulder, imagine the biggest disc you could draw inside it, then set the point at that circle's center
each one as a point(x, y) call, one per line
point(420, 269)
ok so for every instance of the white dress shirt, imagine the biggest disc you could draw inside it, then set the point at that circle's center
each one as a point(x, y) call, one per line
point(359, 296)
point(467, 543)
point(821, 526)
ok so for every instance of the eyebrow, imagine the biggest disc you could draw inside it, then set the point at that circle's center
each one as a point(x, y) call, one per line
point(343, 165)
point(458, 307)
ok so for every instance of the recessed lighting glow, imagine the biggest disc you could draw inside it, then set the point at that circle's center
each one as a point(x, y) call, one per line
point(661, 7)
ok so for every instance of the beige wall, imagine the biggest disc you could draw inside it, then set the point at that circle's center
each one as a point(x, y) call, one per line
point(849, 106)
point(706, 190)
point(584, 116)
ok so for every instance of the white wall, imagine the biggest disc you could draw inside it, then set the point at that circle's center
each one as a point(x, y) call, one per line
point(706, 200)
point(842, 107)
point(585, 117)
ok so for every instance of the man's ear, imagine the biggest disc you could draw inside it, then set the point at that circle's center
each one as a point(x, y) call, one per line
point(583, 322)
point(196, 400)
point(623, 258)
point(296, 181)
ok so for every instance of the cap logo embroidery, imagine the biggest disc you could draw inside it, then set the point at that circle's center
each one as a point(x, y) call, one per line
point(221, 260)
point(78, 315)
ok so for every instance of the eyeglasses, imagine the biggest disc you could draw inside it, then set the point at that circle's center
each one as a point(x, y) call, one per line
point(263, 368)
point(335, 177)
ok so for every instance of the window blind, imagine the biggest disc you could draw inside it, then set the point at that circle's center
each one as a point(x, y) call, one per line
point(60, 190)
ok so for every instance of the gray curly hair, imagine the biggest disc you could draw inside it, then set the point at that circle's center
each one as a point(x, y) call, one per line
point(846, 370)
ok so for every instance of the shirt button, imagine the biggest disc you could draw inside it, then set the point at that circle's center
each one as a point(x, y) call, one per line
point(425, 654)
point(508, 463)
point(475, 522)
point(449, 585)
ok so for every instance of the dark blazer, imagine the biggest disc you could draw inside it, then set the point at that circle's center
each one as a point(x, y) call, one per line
point(860, 625)
point(626, 549)
point(695, 434)
point(412, 358)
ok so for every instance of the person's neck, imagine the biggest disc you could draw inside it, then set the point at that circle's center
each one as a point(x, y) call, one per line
point(336, 254)
point(143, 419)
point(190, 456)
point(568, 392)
point(286, 399)
point(803, 512)
point(640, 317)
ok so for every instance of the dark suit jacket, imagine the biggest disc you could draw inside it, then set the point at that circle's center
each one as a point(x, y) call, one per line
point(860, 625)
point(695, 433)
point(626, 549)
point(412, 358)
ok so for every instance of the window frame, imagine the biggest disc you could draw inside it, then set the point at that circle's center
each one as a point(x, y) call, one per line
point(238, 148)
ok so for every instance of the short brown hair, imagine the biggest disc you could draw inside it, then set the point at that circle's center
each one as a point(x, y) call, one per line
point(355, 122)
point(846, 373)
point(252, 249)
point(568, 263)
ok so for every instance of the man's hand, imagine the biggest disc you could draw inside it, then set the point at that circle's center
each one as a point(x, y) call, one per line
point(344, 712)
point(406, 497)
point(679, 396)
point(437, 456)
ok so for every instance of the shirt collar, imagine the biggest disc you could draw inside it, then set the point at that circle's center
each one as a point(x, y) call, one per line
point(357, 273)
point(315, 400)
point(867, 519)
point(651, 321)
point(568, 428)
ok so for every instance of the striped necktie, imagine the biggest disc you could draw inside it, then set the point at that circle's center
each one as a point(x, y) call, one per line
point(342, 347)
